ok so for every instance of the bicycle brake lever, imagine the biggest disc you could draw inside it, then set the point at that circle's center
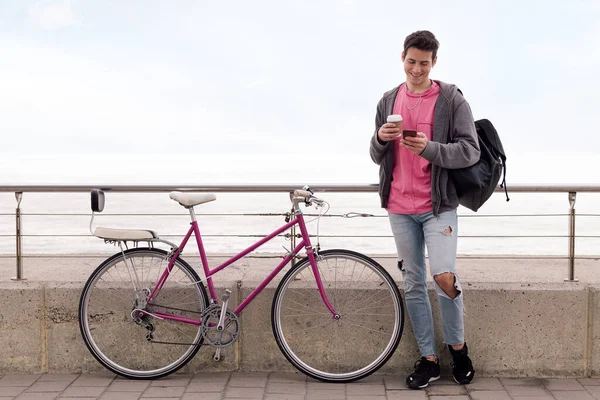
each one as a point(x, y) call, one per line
point(308, 189)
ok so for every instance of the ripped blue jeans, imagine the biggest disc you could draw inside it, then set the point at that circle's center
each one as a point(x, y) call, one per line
point(412, 233)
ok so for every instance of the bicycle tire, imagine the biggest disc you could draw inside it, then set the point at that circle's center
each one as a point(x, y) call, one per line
point(107, 324)
point(332, 353)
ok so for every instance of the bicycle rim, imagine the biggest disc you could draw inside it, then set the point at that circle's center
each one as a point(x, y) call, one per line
point(116, 340)
point(371, 317)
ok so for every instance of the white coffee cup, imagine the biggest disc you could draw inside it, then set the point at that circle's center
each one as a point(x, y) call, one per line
point(395, 119)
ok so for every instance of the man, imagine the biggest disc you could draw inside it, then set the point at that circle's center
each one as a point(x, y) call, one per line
point(421, 200)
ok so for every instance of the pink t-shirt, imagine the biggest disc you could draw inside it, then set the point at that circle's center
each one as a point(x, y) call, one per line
point(411, 187)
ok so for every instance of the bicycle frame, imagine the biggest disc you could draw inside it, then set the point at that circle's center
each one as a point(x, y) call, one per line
point(305, 242)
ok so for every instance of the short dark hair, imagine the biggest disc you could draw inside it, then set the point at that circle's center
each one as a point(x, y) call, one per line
point(422, 40)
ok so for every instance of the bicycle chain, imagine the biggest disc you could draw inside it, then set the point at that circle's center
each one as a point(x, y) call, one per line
point(150, 339)
point(176, 309)
point(177, 343)
point(211, 311)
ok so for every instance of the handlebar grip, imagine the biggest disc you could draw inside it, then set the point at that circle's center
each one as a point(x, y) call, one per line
point(302, 193)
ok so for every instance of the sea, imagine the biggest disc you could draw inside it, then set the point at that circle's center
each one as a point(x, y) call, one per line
point(59, 223)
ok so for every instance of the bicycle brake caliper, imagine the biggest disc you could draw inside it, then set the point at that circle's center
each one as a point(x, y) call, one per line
point(171, 253)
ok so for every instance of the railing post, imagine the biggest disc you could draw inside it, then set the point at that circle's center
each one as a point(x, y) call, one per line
point(19, 254)
point(293, 244)
point(293, 234)
point(571, 271)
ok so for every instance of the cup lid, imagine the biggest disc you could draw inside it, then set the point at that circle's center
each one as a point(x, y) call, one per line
point(394, 118)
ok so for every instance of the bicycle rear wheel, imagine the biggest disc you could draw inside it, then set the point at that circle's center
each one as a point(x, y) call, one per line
point(117, 337)
point(361, 340)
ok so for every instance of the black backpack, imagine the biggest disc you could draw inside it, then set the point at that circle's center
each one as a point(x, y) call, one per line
point(475, 184)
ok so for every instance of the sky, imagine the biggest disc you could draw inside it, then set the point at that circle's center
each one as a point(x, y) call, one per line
point(272, 91)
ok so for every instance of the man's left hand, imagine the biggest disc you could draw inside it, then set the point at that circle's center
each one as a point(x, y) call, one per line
point(415, 144)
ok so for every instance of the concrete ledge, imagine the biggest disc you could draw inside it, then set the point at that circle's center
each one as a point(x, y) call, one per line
point(542, 330)
point(22, 331)
point(512, 330)
point(547, 328)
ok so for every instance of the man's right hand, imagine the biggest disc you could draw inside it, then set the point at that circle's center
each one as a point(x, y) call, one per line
point(388, 132)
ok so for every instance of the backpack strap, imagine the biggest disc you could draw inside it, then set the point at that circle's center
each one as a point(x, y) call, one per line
point(496, 144)
point(503, 184)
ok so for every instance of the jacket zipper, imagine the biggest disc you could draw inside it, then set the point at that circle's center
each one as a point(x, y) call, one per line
point(439, 171)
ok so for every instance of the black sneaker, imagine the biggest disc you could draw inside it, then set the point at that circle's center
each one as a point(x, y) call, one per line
point(425, 371)
point(462, 367)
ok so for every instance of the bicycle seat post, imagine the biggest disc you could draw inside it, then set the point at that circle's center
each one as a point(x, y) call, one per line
point(192, 213)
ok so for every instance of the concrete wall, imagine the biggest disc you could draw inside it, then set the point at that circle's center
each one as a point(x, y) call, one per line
point(543, 330)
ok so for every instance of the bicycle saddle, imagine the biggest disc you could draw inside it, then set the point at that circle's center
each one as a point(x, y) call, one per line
point(192, 199)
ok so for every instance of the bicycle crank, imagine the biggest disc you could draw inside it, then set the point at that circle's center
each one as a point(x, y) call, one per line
point(219, 330)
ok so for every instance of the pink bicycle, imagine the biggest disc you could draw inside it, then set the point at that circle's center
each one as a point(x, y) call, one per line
point(337, 315)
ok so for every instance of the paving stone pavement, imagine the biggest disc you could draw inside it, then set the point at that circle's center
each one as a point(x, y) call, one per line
point(258, 385)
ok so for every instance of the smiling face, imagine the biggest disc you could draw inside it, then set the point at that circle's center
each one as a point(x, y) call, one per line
point(417, 66)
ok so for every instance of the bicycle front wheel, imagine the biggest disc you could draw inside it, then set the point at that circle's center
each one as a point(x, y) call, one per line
point(137, 344)
point(364, 337)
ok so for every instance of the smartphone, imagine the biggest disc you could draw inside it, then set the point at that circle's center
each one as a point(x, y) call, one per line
point(408, 132)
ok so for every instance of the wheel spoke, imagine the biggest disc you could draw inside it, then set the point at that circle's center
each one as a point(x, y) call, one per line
point(370, 305)
point(303, 313)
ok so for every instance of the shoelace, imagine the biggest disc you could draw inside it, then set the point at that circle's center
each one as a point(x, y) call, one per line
point(422, 365)
point(461, 362)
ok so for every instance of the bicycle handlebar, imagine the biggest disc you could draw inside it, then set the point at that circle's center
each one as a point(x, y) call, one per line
point(307, 196)
point(302, 193)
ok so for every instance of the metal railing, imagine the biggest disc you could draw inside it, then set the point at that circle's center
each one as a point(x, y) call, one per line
point(571, 190)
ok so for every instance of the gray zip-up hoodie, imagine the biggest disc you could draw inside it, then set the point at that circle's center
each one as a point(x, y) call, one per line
point(454, 145)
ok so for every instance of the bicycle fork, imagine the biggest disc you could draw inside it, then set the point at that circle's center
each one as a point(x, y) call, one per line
point(315, 269)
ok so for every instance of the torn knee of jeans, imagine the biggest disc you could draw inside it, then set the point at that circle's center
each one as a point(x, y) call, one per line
point(401, 265)
point(449, 288)
point(448, 231)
